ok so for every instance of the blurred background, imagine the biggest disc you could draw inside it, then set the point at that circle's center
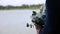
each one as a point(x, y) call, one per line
point(15, 14)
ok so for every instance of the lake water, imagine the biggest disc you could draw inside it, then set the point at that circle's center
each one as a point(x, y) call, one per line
point(14, 22)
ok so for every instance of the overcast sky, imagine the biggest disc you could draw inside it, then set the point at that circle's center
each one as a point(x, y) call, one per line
point(20, 2)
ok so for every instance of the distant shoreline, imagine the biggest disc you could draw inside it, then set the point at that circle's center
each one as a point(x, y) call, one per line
point(9, 7)
point(19, 9)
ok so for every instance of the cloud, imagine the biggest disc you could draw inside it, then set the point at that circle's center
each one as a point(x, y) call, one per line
point(20, 2)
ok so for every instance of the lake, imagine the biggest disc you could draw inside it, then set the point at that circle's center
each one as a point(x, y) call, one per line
point(14, 22)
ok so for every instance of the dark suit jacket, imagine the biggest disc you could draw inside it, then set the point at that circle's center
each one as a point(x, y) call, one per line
point(52, 7)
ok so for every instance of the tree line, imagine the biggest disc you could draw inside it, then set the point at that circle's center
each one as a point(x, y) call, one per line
point(21, 7)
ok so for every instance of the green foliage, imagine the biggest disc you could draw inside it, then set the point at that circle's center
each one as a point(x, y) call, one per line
point(21, 7)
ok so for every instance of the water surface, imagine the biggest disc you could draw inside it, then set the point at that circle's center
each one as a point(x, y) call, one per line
point(14, 22)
